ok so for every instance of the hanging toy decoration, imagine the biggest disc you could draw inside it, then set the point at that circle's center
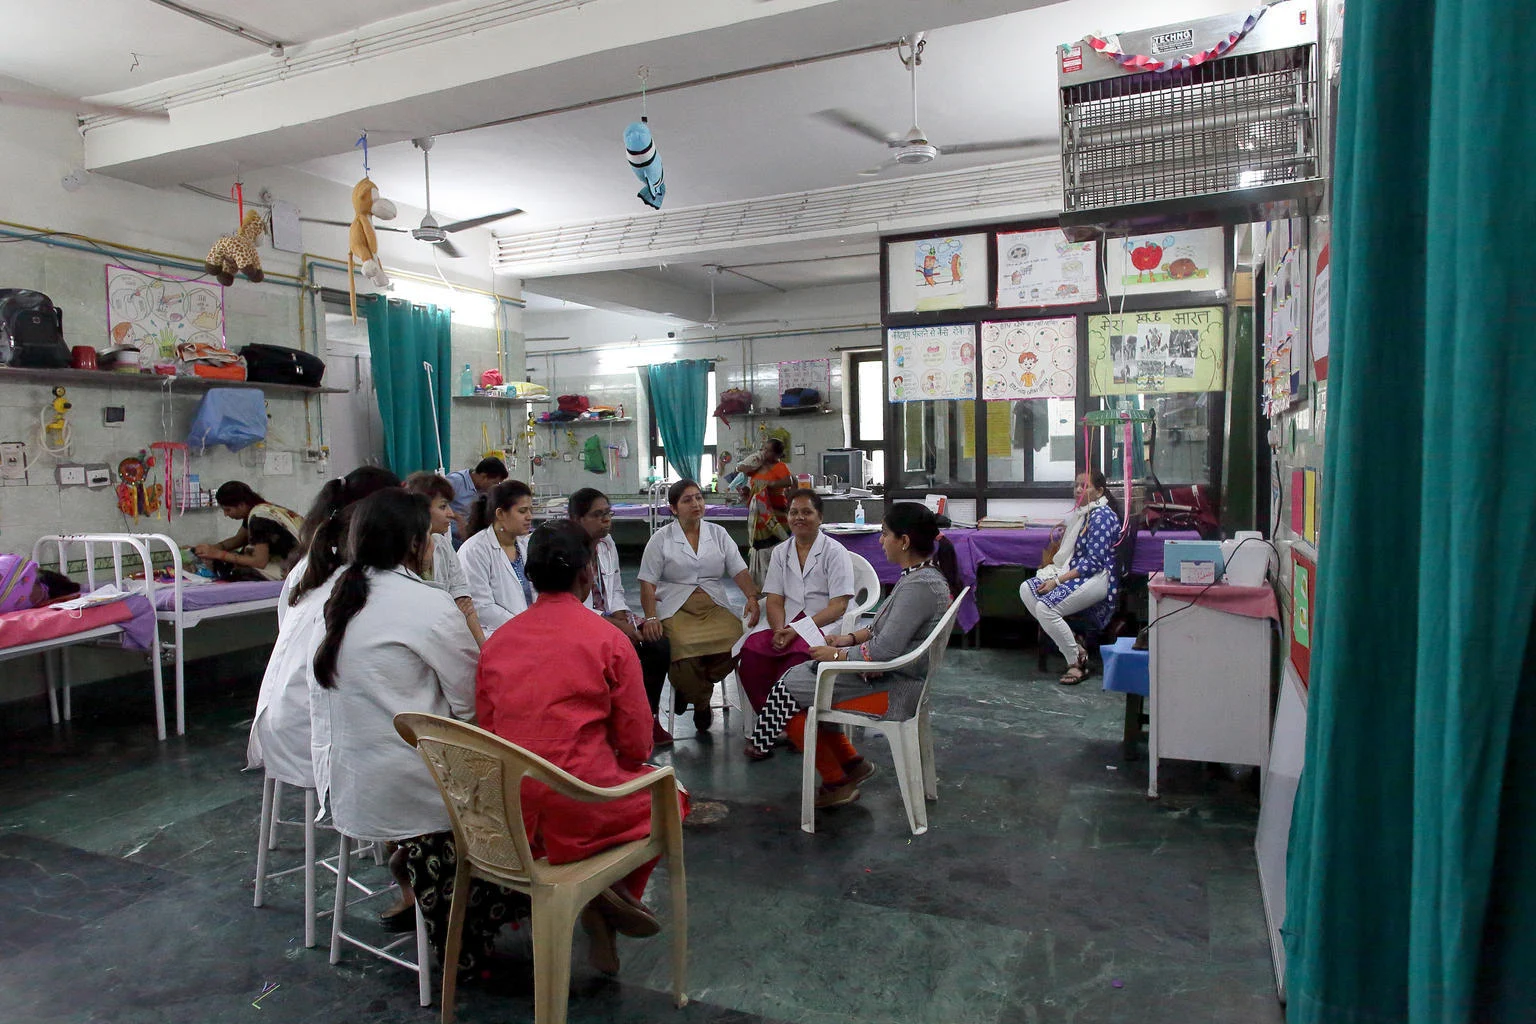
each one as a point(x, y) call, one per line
point(168, 450)
point(643, 158)
point(135, 495)
point(236, 254)
point(646, 163)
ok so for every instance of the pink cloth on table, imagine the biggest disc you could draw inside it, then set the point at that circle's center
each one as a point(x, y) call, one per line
point(1252, 602)
point(761, 666)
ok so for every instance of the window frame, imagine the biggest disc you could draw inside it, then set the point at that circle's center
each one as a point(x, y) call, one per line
point(1098, 455)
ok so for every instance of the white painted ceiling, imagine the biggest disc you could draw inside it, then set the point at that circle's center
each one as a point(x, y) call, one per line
point(732, 140)
point(86, 47)
point(757, 136)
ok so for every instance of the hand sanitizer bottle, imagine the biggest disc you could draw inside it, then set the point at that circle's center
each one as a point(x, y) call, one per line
point(858, 513)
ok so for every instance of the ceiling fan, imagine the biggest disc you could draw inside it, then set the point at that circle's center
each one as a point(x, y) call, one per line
point(714, 323)
point(913, 148)
point(430, 230)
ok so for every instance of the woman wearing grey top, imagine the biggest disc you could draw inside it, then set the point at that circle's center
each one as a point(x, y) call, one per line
point(909, 537)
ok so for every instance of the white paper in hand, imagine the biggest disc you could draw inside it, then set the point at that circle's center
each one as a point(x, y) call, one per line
point(809, 631)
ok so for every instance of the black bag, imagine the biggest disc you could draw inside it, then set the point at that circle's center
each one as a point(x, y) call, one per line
point(274, 364)
point(31, 330)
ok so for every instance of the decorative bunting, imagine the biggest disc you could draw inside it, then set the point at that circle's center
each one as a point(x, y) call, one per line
point(1135, 62)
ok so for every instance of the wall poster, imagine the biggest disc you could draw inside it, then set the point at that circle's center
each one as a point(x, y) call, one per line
point(1322, 286)
point(1285, 330)
point(1171, 261)
point(807, 373)
point(930, 363)
point(1029, 359)
point(943, 272)
point(1157, 352)
point(1045, 268)
point(1303, 613)
point(156, 312)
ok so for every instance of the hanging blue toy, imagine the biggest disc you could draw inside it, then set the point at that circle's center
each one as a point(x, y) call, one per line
point(645, 162)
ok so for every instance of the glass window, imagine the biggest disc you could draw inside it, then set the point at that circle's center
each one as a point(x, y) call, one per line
point(938, 444)
point(1175, 447)
point(870, 413)
point(1032, 440)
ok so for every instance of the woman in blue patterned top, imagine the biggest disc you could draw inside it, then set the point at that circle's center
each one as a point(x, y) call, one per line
point(1081, 576)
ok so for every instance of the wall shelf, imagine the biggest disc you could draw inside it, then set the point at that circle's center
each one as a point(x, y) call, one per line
point(499, 399)
point(584, 423)
point(808, 413)
point(148, 381)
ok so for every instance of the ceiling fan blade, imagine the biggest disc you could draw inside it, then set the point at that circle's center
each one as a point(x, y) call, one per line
point(474, 222)
point(348, 224)
point(50, 101)
point(870, 172)
point(999, 146)
point(447, 248)
point(859, 126)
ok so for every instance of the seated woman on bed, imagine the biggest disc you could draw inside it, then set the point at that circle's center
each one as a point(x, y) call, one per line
point(908, 536)
point(265, 544)
point(808, 575)
point(1081, 576)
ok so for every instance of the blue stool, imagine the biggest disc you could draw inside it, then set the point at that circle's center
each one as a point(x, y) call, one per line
point(1128, 671)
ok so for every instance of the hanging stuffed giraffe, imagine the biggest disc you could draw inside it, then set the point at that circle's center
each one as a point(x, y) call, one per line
point(236, 254)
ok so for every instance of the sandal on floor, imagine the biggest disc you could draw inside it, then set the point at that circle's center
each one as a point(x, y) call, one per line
point(1078, 672)
point(402, 920)
point(753, 754)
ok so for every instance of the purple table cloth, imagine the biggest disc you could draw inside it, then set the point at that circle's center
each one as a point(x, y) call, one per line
point(665, 512)
point(1024, 546)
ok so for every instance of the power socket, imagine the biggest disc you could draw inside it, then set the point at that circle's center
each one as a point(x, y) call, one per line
point(13, 462)
point(71, 475)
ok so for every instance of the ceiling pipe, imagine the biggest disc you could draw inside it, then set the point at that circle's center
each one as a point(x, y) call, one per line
point(274, 46)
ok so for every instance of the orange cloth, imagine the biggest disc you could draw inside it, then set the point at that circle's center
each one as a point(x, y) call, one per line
point(833, 747)
point(566, 685)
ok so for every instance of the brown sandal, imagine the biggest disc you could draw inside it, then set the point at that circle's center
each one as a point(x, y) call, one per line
point(1078, 671)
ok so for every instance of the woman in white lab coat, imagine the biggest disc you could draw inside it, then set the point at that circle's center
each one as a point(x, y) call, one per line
point(393, 643)
point(443, 569)
point(496, 552)
point(682, 589)
point(280, 740)
point(809, 576)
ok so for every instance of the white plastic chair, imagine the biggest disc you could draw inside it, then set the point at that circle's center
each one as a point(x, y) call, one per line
point(866, 594)
point(480, 776)
point(911, 740)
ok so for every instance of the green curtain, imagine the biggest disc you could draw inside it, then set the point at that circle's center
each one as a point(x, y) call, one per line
point(1412, 880)
point(679, 401)
point(401, 337)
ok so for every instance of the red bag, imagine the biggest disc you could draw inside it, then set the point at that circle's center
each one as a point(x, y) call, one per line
point(573, 403)
point(733, 402)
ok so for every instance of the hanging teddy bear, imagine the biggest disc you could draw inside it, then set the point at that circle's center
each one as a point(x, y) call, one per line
point(236, 254)
point(362, 241)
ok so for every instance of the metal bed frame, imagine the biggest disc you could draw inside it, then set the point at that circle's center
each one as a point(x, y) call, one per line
point(57, 671)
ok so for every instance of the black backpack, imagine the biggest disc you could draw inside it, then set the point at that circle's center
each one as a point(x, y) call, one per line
point(276, 364)
point(31, 330)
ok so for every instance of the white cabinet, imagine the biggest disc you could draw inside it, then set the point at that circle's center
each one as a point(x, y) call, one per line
point(1210, 682)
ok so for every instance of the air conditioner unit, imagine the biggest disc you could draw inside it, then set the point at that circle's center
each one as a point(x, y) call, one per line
point(1215, 121)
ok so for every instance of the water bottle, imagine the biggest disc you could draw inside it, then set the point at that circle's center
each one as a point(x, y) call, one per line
point(466, 381)
point(858, 513)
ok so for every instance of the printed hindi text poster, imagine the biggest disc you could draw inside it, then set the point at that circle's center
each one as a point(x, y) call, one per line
point(930, 363)
point(1157, 352)
point(1029, 359)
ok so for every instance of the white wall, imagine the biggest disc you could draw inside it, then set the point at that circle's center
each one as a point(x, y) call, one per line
point(805, 324)
point(43, 147)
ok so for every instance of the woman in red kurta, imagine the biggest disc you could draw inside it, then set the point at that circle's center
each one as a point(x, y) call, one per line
point(566, 685)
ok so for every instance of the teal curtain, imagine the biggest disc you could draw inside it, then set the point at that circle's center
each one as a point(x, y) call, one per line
point(679, 401)
point(401, 337)
point(1412, 868)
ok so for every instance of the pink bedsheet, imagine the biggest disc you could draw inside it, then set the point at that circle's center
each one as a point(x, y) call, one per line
point(32, 625)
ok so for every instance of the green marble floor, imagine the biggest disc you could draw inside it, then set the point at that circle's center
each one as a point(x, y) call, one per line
point(1047, 890)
